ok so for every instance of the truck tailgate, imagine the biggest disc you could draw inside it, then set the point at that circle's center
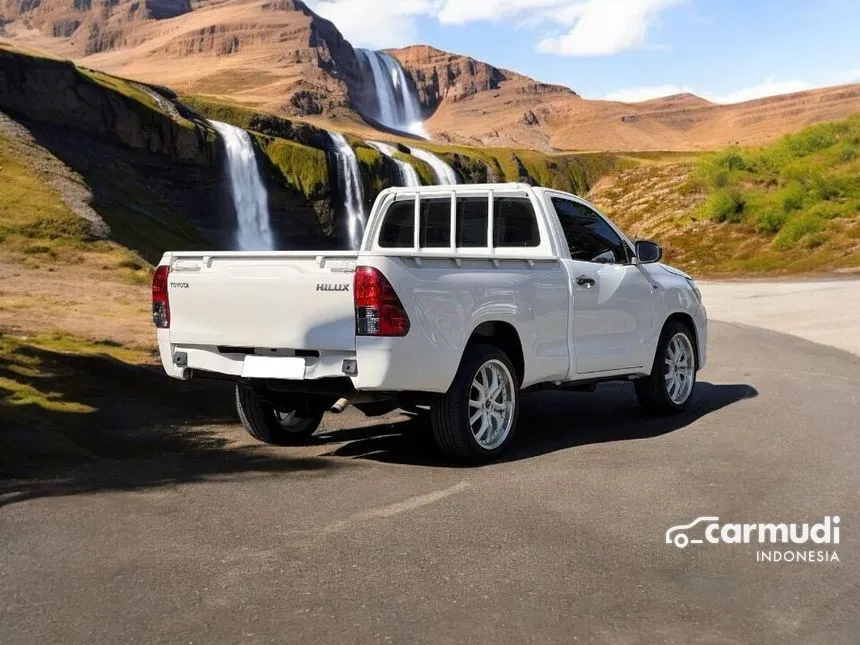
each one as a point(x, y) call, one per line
point(282, 300)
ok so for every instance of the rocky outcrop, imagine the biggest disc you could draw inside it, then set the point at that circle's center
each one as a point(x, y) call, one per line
point(152, 169)
point(91, 26)
point(59, 93)
point(441, 76)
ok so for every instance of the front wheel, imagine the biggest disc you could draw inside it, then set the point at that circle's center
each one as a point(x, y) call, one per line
point(475, 420)
point(670, 386)
point(292, 424)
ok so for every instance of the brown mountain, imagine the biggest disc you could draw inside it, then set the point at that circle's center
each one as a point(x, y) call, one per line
point(278, 56)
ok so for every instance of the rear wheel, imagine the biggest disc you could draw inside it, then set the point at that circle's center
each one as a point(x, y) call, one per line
point(475, 420)
point(292, 423)
point(670, 386)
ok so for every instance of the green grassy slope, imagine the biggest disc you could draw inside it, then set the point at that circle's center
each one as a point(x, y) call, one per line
point(793, 189)
point(790, 207)
point(38, 228)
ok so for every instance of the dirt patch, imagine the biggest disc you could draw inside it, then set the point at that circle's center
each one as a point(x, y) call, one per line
point(87, 300)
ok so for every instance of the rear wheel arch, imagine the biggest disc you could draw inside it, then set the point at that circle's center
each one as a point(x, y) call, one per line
point(504, 336)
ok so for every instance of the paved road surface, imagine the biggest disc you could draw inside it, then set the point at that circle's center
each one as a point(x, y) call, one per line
point(823, 311)
point(369, 538)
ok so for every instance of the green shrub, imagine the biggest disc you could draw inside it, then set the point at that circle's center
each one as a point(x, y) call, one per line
point(827, 210)
point(731, 160)
point(792, 197)
point(770, 221)
point(811, 140)
point(847, 152)
point(814, 240)
point(826, 186)
point(713, 174)
point(796, 228)
point(725, 205)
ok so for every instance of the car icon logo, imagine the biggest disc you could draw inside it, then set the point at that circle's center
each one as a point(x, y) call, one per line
point(677, 534)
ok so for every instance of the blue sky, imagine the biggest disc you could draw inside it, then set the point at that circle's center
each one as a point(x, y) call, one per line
point(724, 50)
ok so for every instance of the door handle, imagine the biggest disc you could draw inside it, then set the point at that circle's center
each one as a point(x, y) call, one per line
point(585, 281)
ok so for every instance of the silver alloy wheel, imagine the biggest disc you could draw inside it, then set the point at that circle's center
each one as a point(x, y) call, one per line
point(492, 401)
point(680, 368)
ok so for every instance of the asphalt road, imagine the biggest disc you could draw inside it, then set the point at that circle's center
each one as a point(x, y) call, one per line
point(368, 537)
point(823, 311)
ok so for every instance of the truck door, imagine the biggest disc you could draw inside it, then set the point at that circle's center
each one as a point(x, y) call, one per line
point(612, 300)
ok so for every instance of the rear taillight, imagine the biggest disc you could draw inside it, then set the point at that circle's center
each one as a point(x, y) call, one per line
point(160, 300)
point(378, 310)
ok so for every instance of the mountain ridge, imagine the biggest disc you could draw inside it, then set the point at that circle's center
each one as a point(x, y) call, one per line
point(280, 57)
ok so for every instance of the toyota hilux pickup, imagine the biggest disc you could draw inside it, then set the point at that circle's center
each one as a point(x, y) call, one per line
point(459, 299)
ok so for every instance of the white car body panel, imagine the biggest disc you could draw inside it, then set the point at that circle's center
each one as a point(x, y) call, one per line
point(296, 311)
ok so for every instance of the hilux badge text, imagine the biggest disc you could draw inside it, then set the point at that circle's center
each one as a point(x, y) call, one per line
point(332, 287)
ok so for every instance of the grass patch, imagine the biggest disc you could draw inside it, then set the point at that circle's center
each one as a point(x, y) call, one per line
point(305, 169)
point(33, 218)
point(123, 87)
point(32, 387)
point(796, 229)
point(790, 189)
point(219, 110)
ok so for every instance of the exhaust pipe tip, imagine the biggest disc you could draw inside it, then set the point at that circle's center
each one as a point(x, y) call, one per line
point(340, 406)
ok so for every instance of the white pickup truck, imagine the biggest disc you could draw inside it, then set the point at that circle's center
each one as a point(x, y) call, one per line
point(459, 299)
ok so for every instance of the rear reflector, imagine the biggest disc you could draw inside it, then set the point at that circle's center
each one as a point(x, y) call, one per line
point(378, 310)
point(160, 300)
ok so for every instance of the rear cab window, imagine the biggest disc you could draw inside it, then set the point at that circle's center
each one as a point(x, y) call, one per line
point(462, 223)
point(398, 227)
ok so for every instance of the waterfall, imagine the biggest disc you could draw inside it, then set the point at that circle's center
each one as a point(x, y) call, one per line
point(408, 174)
point(351, 188)
point(249, 194)
point(397, 105)
point(444, 173)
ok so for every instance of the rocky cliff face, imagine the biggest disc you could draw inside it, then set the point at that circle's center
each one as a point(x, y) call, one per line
point(278, 49)
point(59, 93)
point(157, 178)
point(92, 26)
point(440, 76)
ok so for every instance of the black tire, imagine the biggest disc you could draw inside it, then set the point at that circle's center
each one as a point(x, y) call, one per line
point(450, 412)
point(652, 391)
point(264, 423)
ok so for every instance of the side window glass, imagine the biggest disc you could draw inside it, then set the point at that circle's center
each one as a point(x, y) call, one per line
point(588, 235)
point(398, 229)
point(473, 221)
point(514, 223)
point(435, 223)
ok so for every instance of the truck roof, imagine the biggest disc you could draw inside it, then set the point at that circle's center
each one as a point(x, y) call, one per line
point(460, 188)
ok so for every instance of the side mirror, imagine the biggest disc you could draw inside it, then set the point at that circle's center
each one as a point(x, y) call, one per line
point(648, 252)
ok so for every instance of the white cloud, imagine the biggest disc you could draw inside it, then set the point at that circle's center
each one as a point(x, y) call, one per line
point(606, 27)
point(594, 26)
point(458, 12)
point(768, 87)
point(389, 24)
point(645, 93)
